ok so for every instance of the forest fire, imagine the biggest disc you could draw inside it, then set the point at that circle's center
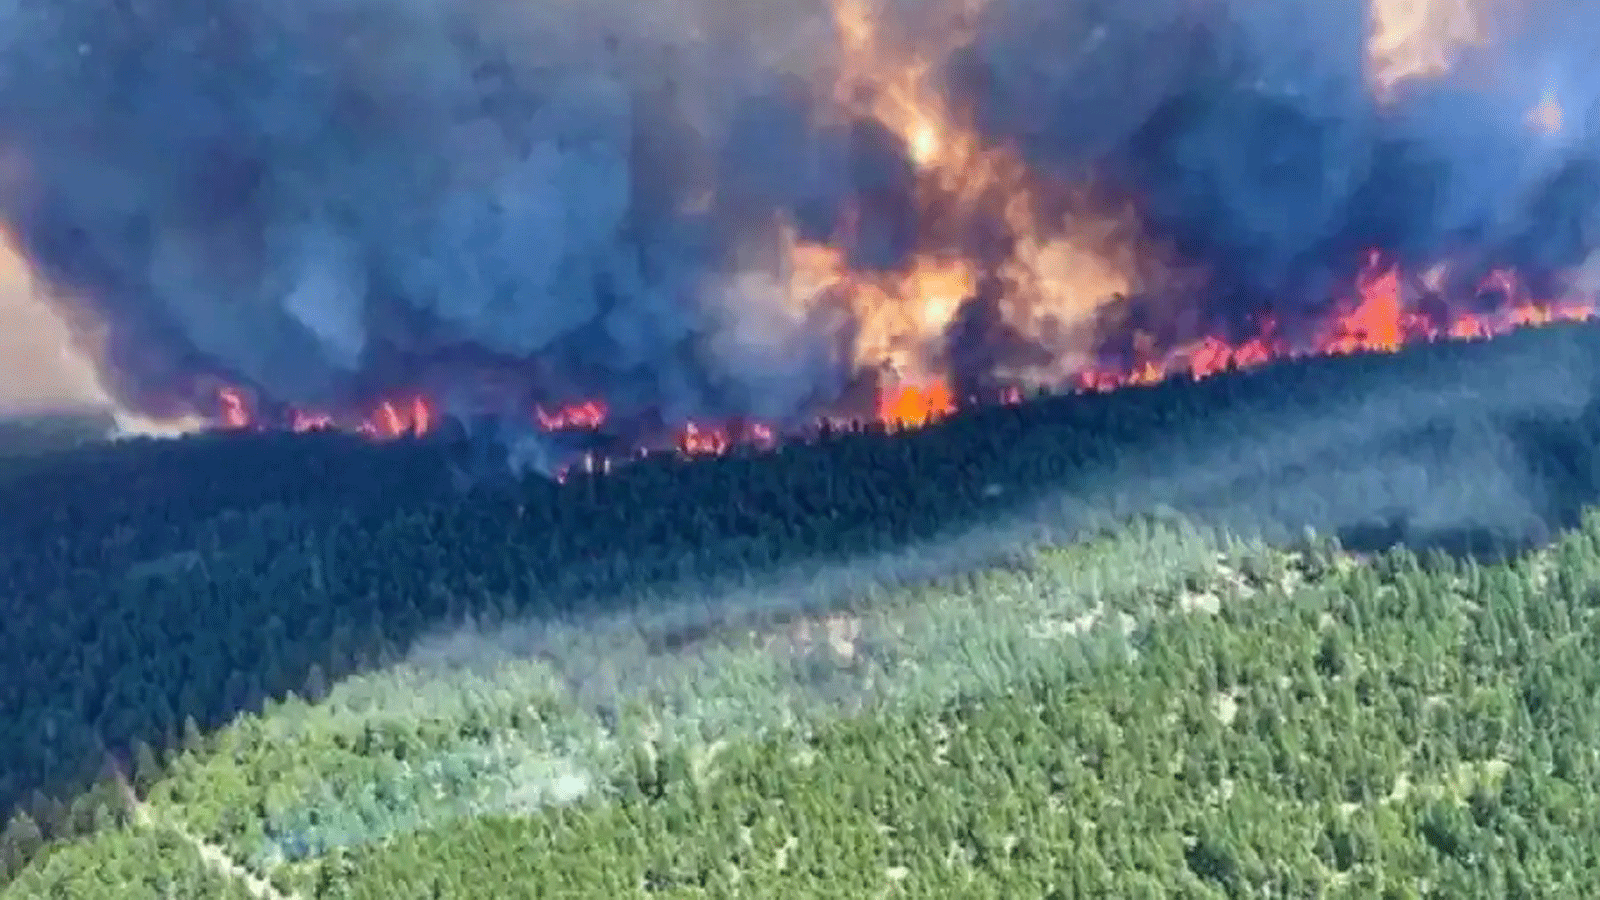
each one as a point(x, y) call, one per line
point(676, 225)
point(1387, 310)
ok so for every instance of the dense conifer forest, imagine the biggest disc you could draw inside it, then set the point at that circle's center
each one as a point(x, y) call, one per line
point(1325, 628)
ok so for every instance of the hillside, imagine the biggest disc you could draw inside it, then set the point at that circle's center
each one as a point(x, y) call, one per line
point(627, 678)
point(1241, 723)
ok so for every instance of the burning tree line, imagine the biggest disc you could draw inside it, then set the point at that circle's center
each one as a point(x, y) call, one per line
point(1386, 311)
point(691, 225)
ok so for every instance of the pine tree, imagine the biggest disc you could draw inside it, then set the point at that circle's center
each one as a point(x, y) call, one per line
point(316, 687)
point(146, 768)
point(19, 843)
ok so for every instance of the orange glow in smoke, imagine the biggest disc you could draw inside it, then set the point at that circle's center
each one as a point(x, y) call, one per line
point(1067, 259)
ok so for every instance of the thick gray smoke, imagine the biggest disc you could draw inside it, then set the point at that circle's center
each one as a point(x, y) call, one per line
point(331, 198)
point(310, 195)
point(1250, 131)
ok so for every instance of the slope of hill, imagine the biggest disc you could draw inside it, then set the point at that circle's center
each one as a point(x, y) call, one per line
point(1151, 714)
point(158, 590)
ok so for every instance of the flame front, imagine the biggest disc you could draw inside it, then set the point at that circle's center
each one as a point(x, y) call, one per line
point(1387, 310)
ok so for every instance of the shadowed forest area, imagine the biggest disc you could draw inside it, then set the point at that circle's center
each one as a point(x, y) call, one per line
point(33, 433)
point(157, 590)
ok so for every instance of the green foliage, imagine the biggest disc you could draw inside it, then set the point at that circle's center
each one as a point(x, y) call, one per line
point(1149, 776)
point(146, 864)
point(966, 658)
point(1392, 730)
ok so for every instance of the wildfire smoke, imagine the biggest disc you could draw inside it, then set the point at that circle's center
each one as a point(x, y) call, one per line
point(716, 221)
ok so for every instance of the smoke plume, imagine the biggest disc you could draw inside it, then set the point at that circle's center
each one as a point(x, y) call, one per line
point(710, 207)
point(1267, 139)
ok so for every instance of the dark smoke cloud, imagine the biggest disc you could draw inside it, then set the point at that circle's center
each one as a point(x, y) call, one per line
point(300, 194)
point(325, 198)
point(1248, 129)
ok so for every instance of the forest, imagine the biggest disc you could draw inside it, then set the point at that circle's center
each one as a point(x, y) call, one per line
point(1324, 628)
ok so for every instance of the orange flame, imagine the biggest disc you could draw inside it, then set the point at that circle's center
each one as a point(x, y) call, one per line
point(588, 414)
point(1383, 315)
point(914, 405)
point(235, 411)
